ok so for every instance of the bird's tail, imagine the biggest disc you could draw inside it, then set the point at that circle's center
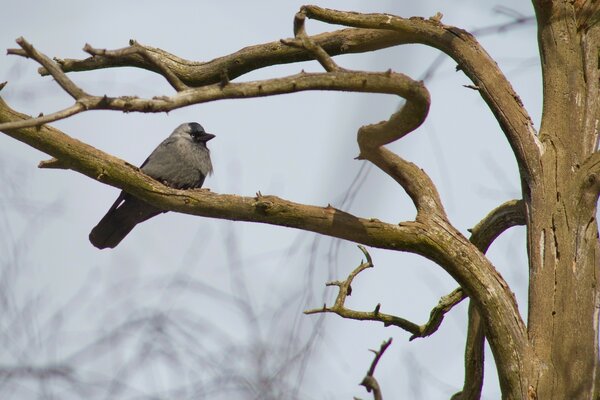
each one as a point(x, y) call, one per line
point(120, 220)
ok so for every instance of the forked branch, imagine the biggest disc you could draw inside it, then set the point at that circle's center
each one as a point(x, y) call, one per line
point(369, 381)
point(345, 289)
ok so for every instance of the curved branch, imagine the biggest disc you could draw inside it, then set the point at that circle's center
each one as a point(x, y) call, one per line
point(493, 86)
point(501, 218)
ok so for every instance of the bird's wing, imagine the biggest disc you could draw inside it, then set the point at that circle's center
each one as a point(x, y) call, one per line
point(161, 151)
point(164, 162)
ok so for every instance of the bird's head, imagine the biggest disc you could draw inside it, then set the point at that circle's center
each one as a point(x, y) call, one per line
point(193, 130)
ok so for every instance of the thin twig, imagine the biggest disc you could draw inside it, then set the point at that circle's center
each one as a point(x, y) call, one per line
point(302, 40)
point(369, 381)
point(61, 78)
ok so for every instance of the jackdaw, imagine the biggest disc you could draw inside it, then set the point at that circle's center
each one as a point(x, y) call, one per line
point(181, 161)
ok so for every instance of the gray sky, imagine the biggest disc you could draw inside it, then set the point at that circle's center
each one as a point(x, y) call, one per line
point(299, 147)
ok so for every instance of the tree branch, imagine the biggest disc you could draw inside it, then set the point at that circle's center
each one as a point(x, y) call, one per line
point(248, 59)
point(83, 158)
point(474, 358)
point(497, 221)
point(392, 83)
point(493, 86)
point(418, 331)
point(501, 218)
point(60, 77)
point(304, 41)
point(148, 55)
point(369, 381)
point(345, 290)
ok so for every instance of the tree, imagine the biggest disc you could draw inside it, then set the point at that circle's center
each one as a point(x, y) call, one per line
point(556, 352)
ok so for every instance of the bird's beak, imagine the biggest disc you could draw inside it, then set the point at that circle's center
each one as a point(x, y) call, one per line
point(205, 137)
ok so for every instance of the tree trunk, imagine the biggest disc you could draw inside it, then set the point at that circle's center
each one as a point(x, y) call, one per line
point(562, 237)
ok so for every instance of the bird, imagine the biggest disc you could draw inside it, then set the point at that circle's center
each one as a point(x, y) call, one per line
point(181, 161)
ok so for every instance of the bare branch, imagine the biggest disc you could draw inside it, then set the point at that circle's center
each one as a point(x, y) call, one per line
point(51, 66)
point(474, 358)
point(392, 83)
point(195, 74)
point(110, 170)
point(436, 316)
point(345, 289)
point(304, 41)
point(413, 179)
point(44, 119)
point(369, 381)
point(493, 86)
point(500, 219)
point(147, 54)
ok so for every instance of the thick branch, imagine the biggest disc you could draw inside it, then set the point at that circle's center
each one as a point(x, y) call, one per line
point(501, 218)
point(497, 221)
point(413, 179)
point(472, 59)
point(110, 170)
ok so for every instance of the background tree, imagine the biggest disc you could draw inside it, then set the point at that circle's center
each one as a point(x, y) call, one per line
point(557, 352)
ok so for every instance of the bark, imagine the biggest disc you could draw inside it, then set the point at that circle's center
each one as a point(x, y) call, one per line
point(562, 236)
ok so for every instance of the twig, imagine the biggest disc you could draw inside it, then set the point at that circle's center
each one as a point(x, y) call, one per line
point(53, 163)
point(302, 40)
point(136, 48)
point(345, 289)
point(61, 78)
point(369, 381)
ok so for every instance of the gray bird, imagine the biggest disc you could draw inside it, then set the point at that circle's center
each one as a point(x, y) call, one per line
point(181, 161)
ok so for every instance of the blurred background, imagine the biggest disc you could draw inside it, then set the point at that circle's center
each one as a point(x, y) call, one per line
point(187, 307)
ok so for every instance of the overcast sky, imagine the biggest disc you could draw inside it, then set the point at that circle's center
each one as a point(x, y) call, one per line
point(241, 287)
